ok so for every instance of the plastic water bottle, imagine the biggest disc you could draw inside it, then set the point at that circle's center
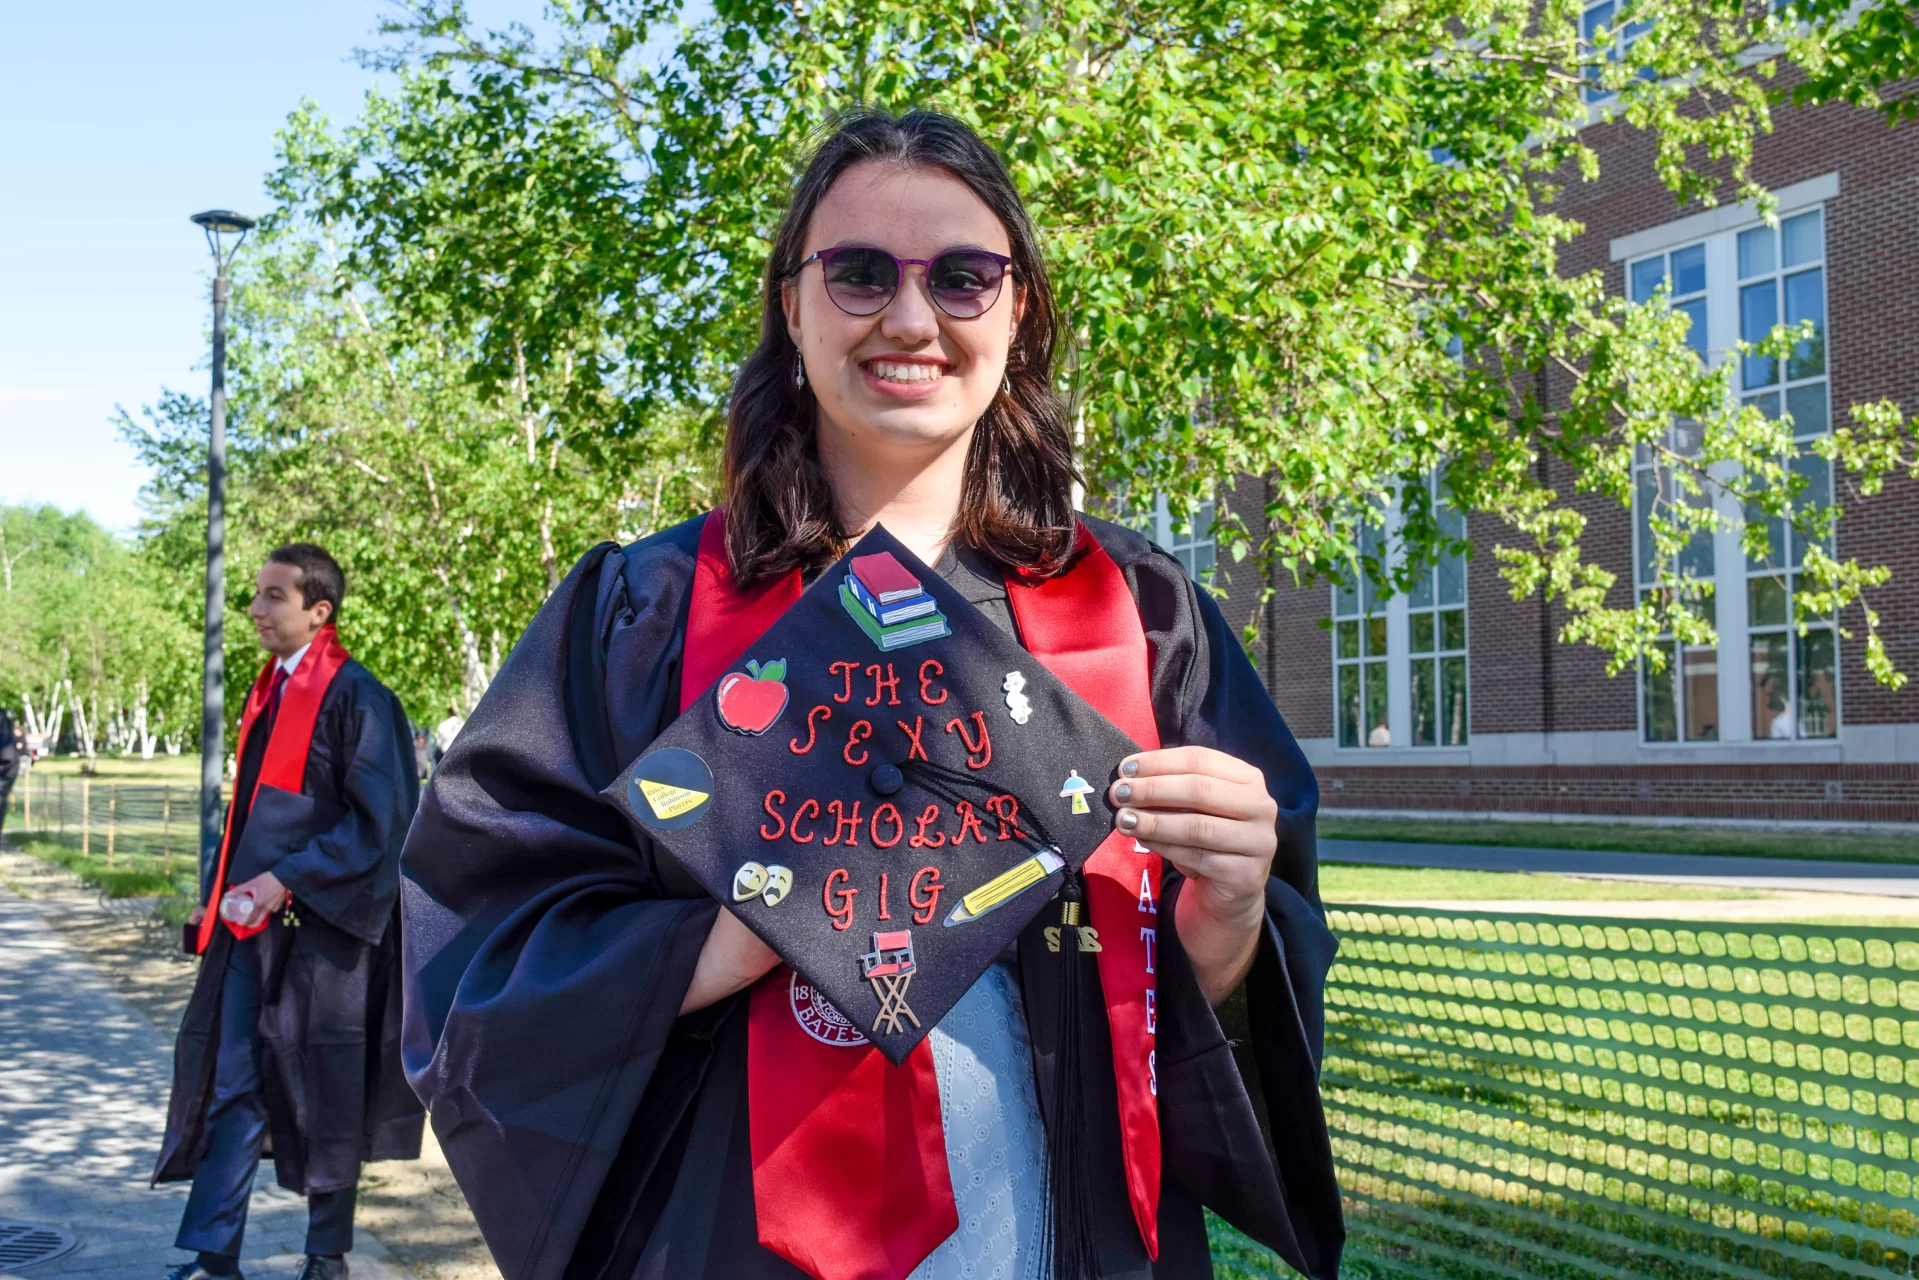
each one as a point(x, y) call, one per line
point(236, 907)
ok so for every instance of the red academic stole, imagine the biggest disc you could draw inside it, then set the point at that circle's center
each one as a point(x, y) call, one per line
point(838, 1189)
point(285, 765)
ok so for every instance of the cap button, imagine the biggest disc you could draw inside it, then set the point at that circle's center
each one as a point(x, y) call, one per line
point(886, 779)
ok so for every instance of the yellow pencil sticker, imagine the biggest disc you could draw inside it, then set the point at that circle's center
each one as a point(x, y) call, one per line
point(669, 801)
point(1005, 886)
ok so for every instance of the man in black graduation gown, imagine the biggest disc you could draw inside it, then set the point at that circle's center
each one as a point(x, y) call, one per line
point(598, 1133)
point(9, 767)
point(289, 1046)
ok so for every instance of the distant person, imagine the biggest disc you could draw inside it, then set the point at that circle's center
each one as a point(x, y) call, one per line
point(292, 1033)
point(447, 730)
point(10, 756)
point(422, 754)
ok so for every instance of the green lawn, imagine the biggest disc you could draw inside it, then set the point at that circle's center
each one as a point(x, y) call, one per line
point(1628, 838)
point(130, 876)
point(181, 771)
point(1345, 882)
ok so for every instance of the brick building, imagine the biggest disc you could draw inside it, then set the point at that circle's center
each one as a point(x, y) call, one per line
point(1459, 699)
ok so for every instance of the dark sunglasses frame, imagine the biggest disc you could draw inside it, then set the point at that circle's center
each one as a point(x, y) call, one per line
point(825, 258)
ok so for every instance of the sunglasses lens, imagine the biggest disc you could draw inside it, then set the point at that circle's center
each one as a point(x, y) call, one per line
point(860, 281)
point(965, 282)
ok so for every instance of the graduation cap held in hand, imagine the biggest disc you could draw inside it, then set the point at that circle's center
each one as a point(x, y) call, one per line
point(885, 790)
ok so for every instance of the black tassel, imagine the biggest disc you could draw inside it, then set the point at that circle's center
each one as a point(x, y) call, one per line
point(1068, 1204)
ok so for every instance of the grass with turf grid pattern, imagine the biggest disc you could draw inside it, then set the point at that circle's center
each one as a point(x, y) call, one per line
point(1346, 882)
point(163, 770)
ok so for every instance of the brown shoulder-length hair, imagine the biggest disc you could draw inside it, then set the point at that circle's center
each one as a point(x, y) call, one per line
point(1017, 502)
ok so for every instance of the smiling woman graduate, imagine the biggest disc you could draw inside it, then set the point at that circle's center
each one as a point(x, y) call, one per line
point(819, 890)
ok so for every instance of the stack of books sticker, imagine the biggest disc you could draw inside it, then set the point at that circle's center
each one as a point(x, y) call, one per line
point(890, 604)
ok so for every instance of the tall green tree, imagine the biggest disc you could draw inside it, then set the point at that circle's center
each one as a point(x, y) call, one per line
point(89, 651)
point(427, 380)
point(170, 438)
point(1311, 240)
point(494, 320)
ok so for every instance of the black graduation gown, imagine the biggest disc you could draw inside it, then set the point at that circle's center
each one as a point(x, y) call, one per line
point(330, 1019)
point(9, 759)
point(600, 1136)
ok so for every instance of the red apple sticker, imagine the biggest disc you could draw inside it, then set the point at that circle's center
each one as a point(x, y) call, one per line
point(750, 701)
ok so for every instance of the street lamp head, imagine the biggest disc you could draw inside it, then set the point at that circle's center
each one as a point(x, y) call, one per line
point(222, 220)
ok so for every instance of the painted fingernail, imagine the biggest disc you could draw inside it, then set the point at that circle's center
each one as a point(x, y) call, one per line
point(1128, 819)
point(1122, 791)
point(1130, 769)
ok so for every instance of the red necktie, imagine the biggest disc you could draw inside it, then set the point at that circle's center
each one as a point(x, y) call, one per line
point(273, 695)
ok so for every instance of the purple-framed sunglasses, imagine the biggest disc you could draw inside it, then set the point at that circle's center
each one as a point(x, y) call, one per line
point(861, 279)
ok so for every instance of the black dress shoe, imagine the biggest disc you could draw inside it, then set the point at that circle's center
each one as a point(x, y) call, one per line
point(319, 1267)
point(194, 1271)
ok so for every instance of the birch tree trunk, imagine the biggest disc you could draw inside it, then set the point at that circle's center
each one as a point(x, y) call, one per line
point(142, 734)
point(46, 727)
point(85, 722)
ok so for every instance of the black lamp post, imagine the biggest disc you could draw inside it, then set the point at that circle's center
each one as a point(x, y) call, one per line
point(218, 224)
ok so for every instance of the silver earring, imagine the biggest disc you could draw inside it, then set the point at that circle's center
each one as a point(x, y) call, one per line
point(799, 370)
point(1006, 386)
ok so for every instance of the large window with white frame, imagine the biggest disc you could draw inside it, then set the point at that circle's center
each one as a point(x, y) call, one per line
point(1400, 663)
point(1681, 700)
point(1764, 680)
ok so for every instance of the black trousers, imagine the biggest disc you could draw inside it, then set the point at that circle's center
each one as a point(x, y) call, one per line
point(215, 1220)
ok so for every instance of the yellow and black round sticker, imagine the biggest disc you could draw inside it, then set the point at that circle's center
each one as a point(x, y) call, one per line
point(671, 788)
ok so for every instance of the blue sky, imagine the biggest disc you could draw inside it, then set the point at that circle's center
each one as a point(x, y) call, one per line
point(118, 120)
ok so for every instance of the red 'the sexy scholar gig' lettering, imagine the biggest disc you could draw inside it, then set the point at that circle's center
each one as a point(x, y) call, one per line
point(814, 822)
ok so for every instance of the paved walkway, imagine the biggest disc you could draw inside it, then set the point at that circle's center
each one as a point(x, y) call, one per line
point(1786, 874)
point(83, 1091)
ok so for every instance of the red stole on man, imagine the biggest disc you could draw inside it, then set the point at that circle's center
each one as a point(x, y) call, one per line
point(285, 763)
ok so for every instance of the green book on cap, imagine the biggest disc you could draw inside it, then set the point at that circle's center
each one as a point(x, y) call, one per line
point(900, 634)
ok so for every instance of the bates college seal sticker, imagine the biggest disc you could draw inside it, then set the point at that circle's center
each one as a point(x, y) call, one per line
point(820, 1019)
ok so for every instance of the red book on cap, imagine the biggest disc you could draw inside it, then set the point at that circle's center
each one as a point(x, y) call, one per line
point(885, 577)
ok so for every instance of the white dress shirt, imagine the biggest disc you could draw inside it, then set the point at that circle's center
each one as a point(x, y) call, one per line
point(292, 664)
